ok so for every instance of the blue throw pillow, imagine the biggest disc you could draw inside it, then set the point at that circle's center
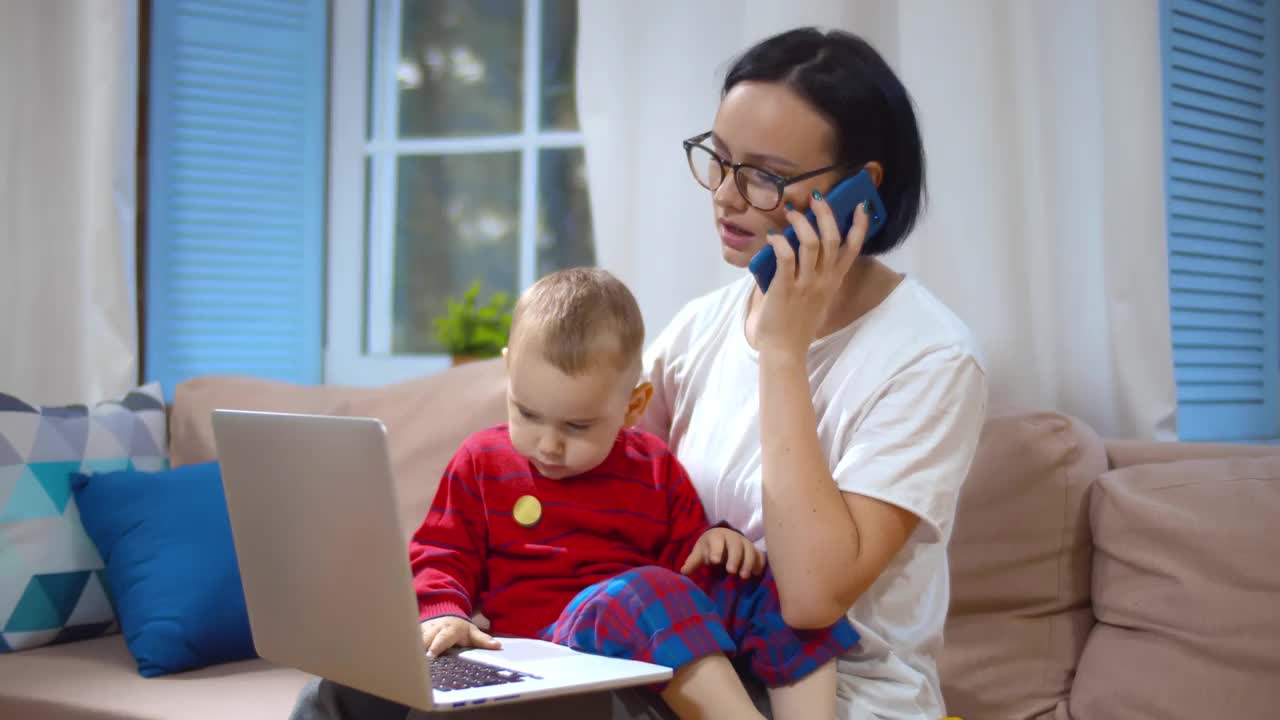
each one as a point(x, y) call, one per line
point(165, 539)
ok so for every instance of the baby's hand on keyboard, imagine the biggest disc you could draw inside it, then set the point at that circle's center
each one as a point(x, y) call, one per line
point(440, 634)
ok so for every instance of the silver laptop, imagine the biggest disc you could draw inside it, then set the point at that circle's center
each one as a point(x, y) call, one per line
point(327, 580)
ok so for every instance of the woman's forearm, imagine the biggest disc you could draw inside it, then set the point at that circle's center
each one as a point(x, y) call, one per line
point(812, 538)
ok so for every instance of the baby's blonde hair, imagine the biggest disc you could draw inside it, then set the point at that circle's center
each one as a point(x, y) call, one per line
point(581, 317)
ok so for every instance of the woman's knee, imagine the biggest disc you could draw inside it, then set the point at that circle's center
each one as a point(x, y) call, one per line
point(326, 700)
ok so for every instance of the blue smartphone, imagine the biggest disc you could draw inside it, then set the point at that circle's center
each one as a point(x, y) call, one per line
point(844, 198)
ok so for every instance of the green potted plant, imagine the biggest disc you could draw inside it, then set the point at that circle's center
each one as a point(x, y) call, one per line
point(471, 331)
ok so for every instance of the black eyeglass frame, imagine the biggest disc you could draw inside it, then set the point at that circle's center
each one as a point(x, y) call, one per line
point(727, 167)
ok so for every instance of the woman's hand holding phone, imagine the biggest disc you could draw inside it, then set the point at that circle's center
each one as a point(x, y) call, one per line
point(805, 284)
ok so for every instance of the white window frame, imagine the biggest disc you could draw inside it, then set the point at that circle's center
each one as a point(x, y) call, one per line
point(347, 361)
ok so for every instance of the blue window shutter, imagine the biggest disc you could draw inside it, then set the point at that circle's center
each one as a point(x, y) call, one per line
point(1221, 133)
point(236, 182)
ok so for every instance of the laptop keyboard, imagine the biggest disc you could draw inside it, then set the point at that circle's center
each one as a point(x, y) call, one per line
point(451, 672)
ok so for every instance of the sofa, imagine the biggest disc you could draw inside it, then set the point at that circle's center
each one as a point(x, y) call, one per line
point(1091, 579)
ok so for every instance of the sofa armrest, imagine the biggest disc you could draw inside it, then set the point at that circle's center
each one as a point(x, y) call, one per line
point(1123, 453)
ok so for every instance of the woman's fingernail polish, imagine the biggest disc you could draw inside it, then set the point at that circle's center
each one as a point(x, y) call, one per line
point(866, 207)
point(817, 194)
point(788, 207)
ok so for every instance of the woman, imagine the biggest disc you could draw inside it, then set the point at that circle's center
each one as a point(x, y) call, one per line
point(833, 419)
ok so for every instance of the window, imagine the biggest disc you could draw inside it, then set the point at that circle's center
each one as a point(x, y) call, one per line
point(463, 163)
point(1222, 128)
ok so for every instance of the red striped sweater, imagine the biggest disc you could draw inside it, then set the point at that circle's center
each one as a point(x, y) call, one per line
point(636, 508)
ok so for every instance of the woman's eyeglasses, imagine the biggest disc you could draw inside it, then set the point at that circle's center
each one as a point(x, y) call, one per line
point(759, 187)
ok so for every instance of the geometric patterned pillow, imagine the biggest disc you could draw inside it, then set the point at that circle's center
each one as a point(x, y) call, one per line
point(52, 585)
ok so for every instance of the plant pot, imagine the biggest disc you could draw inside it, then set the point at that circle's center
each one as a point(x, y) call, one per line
point(456, 360)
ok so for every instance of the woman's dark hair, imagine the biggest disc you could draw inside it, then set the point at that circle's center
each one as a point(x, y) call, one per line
point(845, 79)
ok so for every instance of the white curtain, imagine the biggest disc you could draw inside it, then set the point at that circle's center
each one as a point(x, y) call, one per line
point(68, 89)
point(1042, 121)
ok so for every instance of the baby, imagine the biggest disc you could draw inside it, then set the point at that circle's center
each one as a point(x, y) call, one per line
point(569, 525)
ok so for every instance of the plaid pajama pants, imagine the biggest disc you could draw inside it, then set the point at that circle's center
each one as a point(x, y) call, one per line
point(660, 616)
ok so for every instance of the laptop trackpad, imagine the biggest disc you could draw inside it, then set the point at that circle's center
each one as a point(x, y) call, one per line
point(520, 650)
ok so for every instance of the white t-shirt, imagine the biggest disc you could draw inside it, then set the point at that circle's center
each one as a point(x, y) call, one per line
point(900, 396)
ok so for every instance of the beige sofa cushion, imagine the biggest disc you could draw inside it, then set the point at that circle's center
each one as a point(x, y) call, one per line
point(98, 680)
point(1020, 568)
point(1186, 588)
point(1123, 453)
point(426, 419)
point(190, 423)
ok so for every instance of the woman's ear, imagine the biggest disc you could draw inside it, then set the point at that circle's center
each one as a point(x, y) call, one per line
point(876, 171)
point(638, 403)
